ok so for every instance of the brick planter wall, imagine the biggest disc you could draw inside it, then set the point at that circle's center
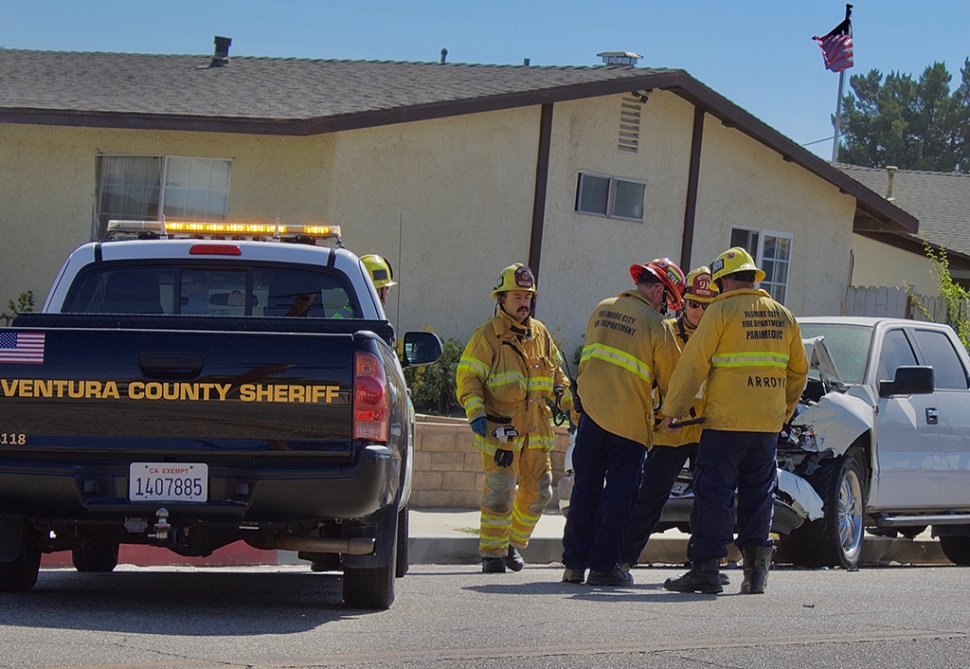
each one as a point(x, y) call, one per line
point(448, 469)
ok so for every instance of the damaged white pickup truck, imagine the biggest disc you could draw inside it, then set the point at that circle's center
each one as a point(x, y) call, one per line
point(880, 441)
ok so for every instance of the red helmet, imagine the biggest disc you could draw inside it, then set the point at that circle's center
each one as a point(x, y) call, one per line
point(668, 273)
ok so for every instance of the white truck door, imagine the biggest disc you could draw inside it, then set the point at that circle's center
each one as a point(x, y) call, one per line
point(953, 405)
point(907, 438)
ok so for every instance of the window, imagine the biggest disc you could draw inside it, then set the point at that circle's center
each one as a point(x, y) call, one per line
point(896, 352)
point(209, 290)
point(610, 196)
point(772, 253)
point(948, 372)
point(142, 187)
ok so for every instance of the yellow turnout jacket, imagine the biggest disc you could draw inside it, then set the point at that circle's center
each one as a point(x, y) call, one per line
point(749, 350)
point(628, 348)
point(692, 433)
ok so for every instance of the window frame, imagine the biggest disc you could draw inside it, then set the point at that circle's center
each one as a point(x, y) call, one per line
point(610, 196)
point(759, 258)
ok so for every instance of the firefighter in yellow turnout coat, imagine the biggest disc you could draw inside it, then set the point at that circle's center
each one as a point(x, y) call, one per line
point(508, 372)
point(628, 348)
point(749, 351)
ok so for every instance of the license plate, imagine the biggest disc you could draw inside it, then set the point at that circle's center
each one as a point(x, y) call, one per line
point(168, 482)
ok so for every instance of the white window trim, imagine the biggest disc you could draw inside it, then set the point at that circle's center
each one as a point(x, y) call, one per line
point(759, 256)
point(610, 195)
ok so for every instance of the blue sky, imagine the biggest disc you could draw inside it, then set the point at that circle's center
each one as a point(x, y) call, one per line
point(758, 54)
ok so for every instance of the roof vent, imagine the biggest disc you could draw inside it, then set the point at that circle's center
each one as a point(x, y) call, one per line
point(891, 170)
point(221, 55)
point(619, 57)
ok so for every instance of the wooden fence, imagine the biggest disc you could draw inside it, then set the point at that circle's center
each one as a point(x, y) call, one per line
point(895, 302)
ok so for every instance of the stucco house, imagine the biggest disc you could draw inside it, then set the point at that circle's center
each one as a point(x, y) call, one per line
point(941, 202)
point(451, 171)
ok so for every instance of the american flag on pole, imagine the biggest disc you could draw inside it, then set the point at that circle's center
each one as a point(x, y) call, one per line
point(22, 348)
point(837, 47)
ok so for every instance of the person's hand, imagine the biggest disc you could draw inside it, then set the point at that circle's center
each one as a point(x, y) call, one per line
point(480, 426)
point(669, 424)
point(503, 458)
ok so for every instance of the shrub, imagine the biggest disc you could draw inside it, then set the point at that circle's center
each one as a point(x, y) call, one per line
point(433, 386)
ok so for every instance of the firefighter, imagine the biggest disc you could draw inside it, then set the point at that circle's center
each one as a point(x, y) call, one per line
point(671, 450)
point(508, 372)
point(748, 350)
point(628, 348)
point(381, 275)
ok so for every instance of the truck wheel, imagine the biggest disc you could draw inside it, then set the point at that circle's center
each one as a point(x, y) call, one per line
point(95, 556)
point(21, 574)
point(402, 544)
point(370, 588)
point(956, 549)
point(835, 540)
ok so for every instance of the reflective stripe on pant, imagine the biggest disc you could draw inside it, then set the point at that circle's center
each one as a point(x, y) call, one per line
point(729, 461)
point(510, 513)
point(660, 472)
point(598, 514)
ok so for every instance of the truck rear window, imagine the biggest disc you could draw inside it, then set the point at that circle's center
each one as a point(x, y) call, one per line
point(212, 291)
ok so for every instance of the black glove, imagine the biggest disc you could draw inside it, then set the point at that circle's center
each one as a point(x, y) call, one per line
point(503, 458)
point(505, 434)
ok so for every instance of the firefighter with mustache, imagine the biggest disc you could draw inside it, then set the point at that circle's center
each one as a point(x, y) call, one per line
point(508, 374)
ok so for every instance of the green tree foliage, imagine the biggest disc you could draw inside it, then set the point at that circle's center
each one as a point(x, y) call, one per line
point(912, 124)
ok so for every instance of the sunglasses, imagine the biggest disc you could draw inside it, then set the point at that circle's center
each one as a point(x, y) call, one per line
point(697, 305)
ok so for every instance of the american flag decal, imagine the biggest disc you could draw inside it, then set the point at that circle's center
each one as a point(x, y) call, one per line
point(22, 348)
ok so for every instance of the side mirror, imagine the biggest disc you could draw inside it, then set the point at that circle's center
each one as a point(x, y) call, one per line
point(909, 380)
point(421, 348)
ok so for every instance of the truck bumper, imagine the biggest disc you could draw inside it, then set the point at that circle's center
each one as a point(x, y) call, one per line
point(238, 493)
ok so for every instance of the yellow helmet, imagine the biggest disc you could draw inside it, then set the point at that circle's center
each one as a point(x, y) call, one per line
point(515, 277)
point(700, 285)
point(380, 271)
point(735, 260)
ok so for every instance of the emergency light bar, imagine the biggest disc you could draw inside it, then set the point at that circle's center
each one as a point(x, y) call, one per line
point(225, 230)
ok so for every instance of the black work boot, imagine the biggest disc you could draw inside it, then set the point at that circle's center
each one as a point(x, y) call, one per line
point(703, 577)
point(493, 565)
point(513, 560)
point(757, 559)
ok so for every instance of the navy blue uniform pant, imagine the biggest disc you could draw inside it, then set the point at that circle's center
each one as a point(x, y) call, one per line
point(598, 513)
point(728, 461)
point(660, 472)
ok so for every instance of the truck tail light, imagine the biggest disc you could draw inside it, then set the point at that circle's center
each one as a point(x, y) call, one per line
point(371, 406)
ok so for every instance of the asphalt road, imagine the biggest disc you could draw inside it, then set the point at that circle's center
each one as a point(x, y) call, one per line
point(453, 616)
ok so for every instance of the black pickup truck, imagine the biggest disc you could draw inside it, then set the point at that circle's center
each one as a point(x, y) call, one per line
point(211, 417)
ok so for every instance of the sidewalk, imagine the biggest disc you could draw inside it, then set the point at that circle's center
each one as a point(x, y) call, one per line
point(450, 536)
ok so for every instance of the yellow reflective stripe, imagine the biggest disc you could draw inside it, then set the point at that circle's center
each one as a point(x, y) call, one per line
point(476, 367)
point(621, 359)
point(489, 448)
point(541, 441)
point(752, 359)
point(508, 378)
point(543, 383)
point(473, 405)
point(494, 520)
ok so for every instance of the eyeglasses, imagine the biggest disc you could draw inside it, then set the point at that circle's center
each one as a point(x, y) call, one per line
point(697, 305)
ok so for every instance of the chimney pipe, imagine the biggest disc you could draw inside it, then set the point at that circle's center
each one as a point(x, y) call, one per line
point(891, 170)
point(525, 61)
point(444, 55)
point(221, 55)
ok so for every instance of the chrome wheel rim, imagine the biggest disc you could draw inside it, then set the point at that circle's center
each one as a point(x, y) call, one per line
point(850, 515)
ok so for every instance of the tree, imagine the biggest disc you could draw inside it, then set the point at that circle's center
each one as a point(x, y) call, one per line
point(914, 125)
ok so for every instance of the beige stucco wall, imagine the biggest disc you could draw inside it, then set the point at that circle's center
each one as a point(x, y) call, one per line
point(744, 184)
point(449, 203)
point(878, 264)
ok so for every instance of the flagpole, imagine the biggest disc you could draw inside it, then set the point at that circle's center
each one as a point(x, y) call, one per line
point(838, 103)
point(838, 119)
